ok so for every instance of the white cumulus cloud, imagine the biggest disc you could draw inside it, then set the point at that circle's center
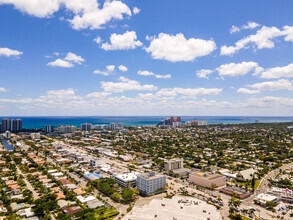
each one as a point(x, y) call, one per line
point(135, 10)
point(98, 40)
point(125, 41)
point(61, 63)
point(74, 58)
point(86, 13)
point(234, 29)
point(288, 31)
point(69, 60)
point(282, 84)
point(109, 70)
point(145, 73)
point(126, 84)
point(236, 69)
point(262, 39)
point(250, 25)
point(278, 72)
point(9, 52)
point(149, 73)
point(247, 91)
point(122, 68)
point(176, 48)
point(203, 73)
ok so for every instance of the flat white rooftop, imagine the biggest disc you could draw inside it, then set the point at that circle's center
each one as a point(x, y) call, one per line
point(128, 177)
point(179, 207)
point(266, 197)
point(85, 199)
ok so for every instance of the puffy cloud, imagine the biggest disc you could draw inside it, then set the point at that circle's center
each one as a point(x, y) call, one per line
point(126, 84)
point(288, 31)
point(262, 39)
point(278, 72)
point(149, 73)
point(9, 52)
point(38, 8)
point(176, 48)
point(234, 29)
point(87, 13)
point(122, 68)
point(282, 84)
point(236, 69)
point(3, 89)
point(203, 73)
point(96, 18)
point(74, 58)
point(135, 10)
point(250, 25)
point(125, 41)
point(60, 63)
point(68, 60)
point(247, 91)
point(145, 73)
point(98, 40)
point(109, 70)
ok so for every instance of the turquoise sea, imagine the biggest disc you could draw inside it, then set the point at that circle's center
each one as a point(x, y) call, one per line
point(41, 122)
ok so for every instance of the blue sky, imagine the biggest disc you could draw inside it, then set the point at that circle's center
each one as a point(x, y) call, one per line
point(154, 57)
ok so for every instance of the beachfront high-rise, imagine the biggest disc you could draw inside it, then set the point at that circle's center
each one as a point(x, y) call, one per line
point(5, 124)
point(49, 129)
point(13, 125)
point(117, 126)
point(172, 120)
point(86, 127)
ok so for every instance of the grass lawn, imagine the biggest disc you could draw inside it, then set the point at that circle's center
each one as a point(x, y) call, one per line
point(109, 213)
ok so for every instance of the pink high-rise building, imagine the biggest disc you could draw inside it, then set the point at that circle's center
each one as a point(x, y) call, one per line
point(172, 120)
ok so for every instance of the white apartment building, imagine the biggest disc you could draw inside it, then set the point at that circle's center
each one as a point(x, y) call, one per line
point(113, 126)
point(150, 183)
point(173, 164)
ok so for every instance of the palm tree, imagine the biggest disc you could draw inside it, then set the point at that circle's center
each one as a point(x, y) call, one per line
point(233, 204)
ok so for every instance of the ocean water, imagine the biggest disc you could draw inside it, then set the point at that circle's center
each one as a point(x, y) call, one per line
point(41, 122)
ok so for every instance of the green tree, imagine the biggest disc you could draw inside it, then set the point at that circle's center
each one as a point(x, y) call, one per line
point(127, 194)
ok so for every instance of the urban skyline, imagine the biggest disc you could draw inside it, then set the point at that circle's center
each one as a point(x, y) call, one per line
point(146, 58)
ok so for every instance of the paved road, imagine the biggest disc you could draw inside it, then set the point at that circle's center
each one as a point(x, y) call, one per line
point(120, 207)
point(263, 186)
point(28, 184)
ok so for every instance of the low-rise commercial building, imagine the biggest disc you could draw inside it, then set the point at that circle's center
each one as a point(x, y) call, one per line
point(179, 207)
point(263, 198)
point(206, 179)
point(237, 192)
point(126, 180)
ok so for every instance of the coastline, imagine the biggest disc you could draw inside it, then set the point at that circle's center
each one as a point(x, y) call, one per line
point(36, 122)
